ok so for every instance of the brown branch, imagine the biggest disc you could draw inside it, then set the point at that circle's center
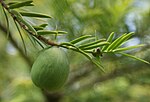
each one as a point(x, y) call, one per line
point(50, 97)
point(114, 74)
point(41, 38)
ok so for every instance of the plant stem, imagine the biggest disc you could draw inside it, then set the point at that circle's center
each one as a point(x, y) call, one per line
point(41, 38)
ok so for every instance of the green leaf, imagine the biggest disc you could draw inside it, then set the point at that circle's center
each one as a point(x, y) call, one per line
point(11, 2)
point(110, 39)
point(48, 32)
point(15, 2)
point(31, 38)
point(7, 22)
point(29, 26)
point(61, 32)
point(118, 42)
point(127, 48)
point(125, 38)
point(19, 17)
point(38, 42)
point(134, 57)
point(95, 45)
point(68, 45)
point(35, 41)
point(114, 43)
point(80, 39)
point(91, 43)
point(37, 28)
point(21, 37)
point(34, 14)
point(40, 27)
point(98, 64)
point(21, 4)
point(91, 39)
point(77, 49)
point(43, 25)
point(93, 60)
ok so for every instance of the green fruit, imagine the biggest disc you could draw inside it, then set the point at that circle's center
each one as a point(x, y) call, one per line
point(50, 70)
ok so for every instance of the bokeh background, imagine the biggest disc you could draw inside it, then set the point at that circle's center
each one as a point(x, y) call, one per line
point(125, 80)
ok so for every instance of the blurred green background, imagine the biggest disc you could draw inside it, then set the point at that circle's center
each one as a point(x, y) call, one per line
point(125, 80)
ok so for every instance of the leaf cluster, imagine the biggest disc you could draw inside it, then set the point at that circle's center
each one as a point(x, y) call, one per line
point(88, 45)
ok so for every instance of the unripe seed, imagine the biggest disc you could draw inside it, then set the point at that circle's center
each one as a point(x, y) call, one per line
point(50, 70)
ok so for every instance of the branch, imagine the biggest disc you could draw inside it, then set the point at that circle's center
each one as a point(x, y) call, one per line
point(41, 38)
point(50, 97)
